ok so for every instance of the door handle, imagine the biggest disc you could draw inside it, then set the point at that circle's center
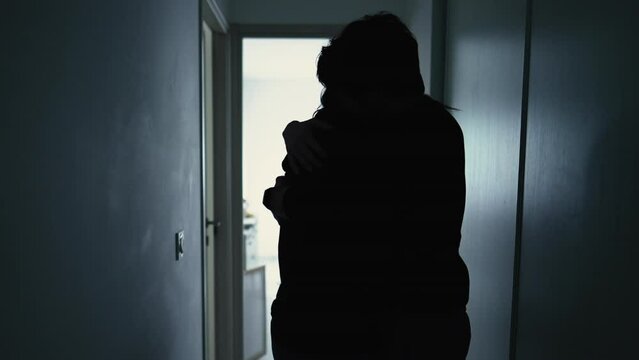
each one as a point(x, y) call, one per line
point(215, 223)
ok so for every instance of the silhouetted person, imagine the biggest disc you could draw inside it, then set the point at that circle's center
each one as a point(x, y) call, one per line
point(370, 210)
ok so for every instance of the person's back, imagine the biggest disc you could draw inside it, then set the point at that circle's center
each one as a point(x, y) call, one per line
point(369, 241)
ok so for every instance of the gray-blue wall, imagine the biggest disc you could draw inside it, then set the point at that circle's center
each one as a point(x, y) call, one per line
point(580, 244)
point(577, 284)
point(484, 77)
point(308, 12)
point(100, 169)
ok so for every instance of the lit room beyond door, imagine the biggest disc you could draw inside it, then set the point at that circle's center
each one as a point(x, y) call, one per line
point(278, 86)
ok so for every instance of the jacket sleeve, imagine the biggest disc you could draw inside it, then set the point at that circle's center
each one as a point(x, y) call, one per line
point(300, 197)
point(427, 186)
point(320, 198)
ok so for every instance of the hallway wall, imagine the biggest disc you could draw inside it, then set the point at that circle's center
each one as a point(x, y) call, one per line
point(579, 246)
point(101, 167)
point(576, 282)
point(283, 12)
point(419, 19)
point(427, 21)
point(484, 77)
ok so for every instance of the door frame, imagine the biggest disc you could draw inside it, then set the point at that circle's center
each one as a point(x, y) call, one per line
point(237, 33)
point(210, 15)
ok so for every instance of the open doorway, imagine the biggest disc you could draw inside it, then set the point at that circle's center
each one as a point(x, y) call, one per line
point(279, 85)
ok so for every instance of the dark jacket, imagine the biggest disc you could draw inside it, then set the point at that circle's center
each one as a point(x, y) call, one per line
point(377, 227)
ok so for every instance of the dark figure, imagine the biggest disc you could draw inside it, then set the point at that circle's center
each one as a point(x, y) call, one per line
point(370, 210)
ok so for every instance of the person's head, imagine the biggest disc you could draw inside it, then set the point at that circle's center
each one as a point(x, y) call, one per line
point(374, 54)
